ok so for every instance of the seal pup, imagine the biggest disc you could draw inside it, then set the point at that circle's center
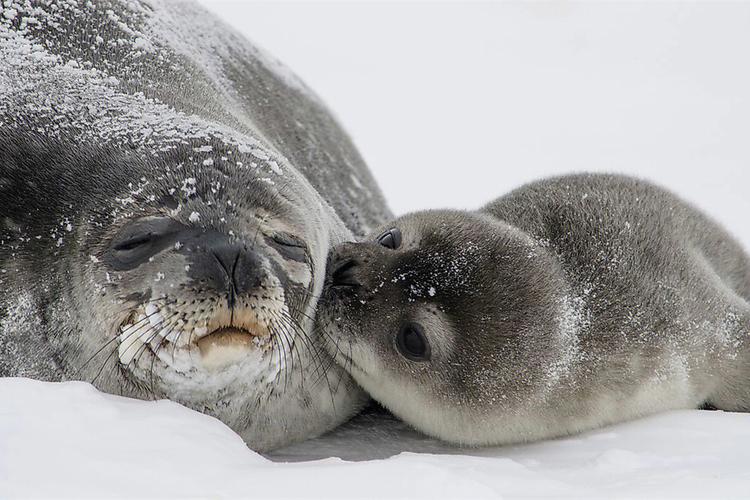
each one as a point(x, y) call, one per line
point(168, 198)
point(566, 305)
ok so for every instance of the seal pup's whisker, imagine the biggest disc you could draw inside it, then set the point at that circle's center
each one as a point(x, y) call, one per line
point(331, 362)
point(283, 329)
point(309, 346)
point(315, 351)
point(300, 333)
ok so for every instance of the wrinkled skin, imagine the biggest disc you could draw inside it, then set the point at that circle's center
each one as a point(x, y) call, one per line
point(563, 306)
point(168, 197)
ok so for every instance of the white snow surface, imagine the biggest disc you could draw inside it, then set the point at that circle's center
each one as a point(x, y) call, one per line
point(69, 440)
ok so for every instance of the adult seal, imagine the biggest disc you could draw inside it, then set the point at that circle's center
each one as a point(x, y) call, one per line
point(568, 304)
point(168, 197)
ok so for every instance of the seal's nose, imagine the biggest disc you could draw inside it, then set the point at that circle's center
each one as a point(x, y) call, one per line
point(343, 264)
point(343, 274)
point(225, 265)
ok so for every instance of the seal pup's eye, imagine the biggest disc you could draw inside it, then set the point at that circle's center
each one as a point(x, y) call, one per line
point(391, 238)
point(289, 246)
point(412, 343)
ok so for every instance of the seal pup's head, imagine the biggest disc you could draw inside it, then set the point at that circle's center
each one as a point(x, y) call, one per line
point(451, 320)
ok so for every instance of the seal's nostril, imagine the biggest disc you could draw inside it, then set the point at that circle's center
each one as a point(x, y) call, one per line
point(224, 266)
point(343, 274)
point(228, 264)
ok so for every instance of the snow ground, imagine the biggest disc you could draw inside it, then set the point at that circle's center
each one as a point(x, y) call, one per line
point(69, 440)
point(505, 93)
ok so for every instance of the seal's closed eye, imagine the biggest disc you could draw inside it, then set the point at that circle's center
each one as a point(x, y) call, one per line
point(140, 240)
point(391, 238)
point(134, 242)
point(412, 343)
point(289, 246)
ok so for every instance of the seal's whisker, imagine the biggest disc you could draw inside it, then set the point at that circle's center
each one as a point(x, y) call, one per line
point(297, 329)
point(288, 342)
point(276, 350)
point(299, 333)
point(177, 339)
point(288, 356)
point(280, 348)
point(300, 311)
point(284, 333)
point(114, 339)
point(329, 363)
point(336, 344)
point(103, 365)
point(314, 351)
point(156, 329)
point(156, 355)
point(166, 299)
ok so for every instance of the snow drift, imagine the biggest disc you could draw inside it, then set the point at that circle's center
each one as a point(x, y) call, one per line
point(69, 440)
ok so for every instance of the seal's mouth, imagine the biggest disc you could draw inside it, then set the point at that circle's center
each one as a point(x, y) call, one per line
point(225, 346)
point(225, 336)
point(212, 341)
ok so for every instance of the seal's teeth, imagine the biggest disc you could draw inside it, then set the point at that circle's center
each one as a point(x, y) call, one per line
point(156, 319)
point(173, 335)
point(151, 309)
point(128, 348)
point(164, 333)
point(145, 334)
point(126, 331)
point(200, 331)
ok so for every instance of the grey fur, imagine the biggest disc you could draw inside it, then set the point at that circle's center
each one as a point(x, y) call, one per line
point(565, 305)
point(116, 111)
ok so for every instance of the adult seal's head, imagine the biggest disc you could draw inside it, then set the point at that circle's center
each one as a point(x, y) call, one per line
point(565, 305)
point(168, 197)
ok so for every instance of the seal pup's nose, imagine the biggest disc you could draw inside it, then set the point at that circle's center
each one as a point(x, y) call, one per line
point(343, 264)
point(343, 274)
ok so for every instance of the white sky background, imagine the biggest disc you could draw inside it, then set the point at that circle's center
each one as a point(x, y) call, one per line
point(455, 104)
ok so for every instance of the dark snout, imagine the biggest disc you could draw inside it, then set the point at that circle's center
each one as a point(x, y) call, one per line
point(345, 264)
point(217, 261)
point(223, 264)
